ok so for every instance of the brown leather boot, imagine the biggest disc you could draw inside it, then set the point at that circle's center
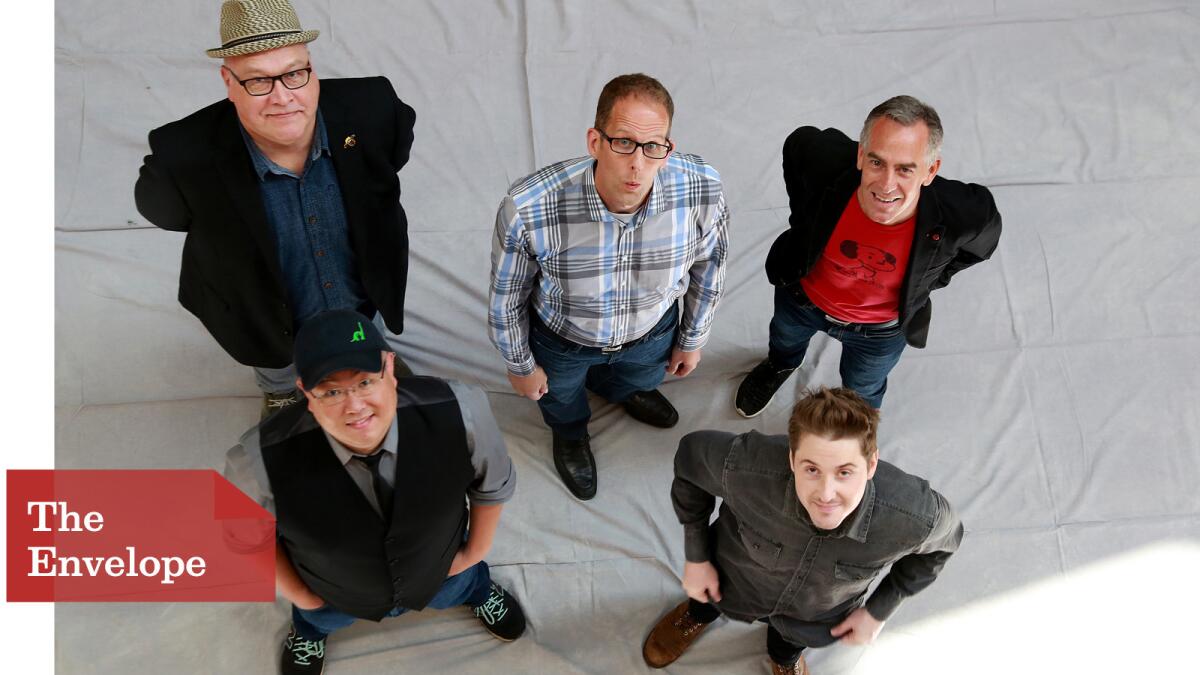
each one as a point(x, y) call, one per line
point(671, 636)
point(800, 668)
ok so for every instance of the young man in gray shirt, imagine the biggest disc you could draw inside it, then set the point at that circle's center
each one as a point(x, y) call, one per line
point(807, 522)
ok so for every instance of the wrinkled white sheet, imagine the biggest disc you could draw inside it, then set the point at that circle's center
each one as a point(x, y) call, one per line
point(1057, 405)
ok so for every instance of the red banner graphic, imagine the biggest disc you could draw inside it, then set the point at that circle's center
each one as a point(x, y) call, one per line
point(136, 536)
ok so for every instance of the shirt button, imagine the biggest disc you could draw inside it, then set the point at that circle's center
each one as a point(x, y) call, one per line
point(320, 254)
point(328, 284)
point(312, 219)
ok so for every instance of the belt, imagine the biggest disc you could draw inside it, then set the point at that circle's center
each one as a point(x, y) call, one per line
point(862, 326)
point(536, 322)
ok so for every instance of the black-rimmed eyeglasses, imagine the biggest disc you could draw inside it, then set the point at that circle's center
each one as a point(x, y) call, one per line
point(261, 86)
point(628, 146)
point(360, 390)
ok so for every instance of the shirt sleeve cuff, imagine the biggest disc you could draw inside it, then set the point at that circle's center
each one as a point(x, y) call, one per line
point(690, 341)
point(695, 542)
point(498, 496)
point(884, 602)
point(521, 368)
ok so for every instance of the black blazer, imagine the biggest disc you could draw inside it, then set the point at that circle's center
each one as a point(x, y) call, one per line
point(198, 179)
point(957, 223)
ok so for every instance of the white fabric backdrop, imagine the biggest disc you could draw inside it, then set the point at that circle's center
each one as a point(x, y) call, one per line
point(1057, 405)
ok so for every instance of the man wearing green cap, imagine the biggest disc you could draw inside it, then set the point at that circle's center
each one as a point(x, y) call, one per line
point(369, 484)
point(289, 199)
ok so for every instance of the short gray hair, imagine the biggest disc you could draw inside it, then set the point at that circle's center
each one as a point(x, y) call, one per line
point(906, 110)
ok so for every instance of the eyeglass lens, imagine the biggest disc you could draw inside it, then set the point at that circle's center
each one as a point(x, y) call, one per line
point(261, 86)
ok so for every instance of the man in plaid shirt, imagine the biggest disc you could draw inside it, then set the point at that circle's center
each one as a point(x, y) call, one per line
point(589, 259)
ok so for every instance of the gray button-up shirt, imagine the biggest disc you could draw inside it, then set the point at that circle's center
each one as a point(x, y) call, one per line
point(775, 565)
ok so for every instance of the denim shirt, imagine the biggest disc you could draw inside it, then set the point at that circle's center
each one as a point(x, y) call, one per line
point(774, 564)
point(308, 218)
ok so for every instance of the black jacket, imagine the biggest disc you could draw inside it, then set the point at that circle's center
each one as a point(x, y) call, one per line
point(957, 223)
point(199, 179)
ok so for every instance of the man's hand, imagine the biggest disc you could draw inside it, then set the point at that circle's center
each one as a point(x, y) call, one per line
point(308, 600)
point(462, 562)
point(700, 582)
point(860, 628)
point(682, 362)
point(532, 386)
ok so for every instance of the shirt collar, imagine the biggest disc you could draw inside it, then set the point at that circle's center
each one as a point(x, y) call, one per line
point(599, 213)
point(856, 526)
point(263, 165)
point(390, 441)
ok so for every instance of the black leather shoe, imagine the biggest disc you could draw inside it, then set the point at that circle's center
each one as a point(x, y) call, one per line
point(652, 408)
point(576, 466)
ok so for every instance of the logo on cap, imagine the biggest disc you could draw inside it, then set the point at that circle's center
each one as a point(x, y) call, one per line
point(359, 335)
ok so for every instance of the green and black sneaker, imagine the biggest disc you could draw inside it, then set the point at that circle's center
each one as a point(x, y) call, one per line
point(301, 656)
point(501, 615)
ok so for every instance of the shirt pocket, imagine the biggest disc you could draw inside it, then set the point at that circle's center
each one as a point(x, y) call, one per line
point(855, 577)
point(764, 552)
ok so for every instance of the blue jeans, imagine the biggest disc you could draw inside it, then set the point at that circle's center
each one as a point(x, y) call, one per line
point(469, 587)
point(615, 376)
point(868, 354)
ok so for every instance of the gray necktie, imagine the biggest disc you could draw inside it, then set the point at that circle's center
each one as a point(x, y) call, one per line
point(383, 491)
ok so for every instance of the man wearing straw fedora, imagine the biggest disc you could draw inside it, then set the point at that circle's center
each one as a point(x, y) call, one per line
point(288, 195)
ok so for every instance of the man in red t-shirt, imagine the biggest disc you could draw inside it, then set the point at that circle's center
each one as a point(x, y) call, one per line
point(860, 257)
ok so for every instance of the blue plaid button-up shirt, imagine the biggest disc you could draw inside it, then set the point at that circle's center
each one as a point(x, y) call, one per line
point(596, 280)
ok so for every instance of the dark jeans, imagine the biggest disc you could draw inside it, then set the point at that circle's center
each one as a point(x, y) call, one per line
point(469, 587)
point(868, 353)
point(780, 650)
point(570, 367)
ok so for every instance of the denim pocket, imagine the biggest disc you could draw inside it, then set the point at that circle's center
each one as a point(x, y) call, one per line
point(854, 577)
point(760, 549)
point(540, 340)
point(663, 329)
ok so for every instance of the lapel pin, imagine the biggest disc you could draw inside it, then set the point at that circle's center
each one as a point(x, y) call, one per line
point(350, 141)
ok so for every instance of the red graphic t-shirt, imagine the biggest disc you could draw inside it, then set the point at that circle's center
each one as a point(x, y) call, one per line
point(860, 272)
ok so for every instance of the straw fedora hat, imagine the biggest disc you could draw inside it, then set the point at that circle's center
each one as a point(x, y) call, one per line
point(252, 26)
